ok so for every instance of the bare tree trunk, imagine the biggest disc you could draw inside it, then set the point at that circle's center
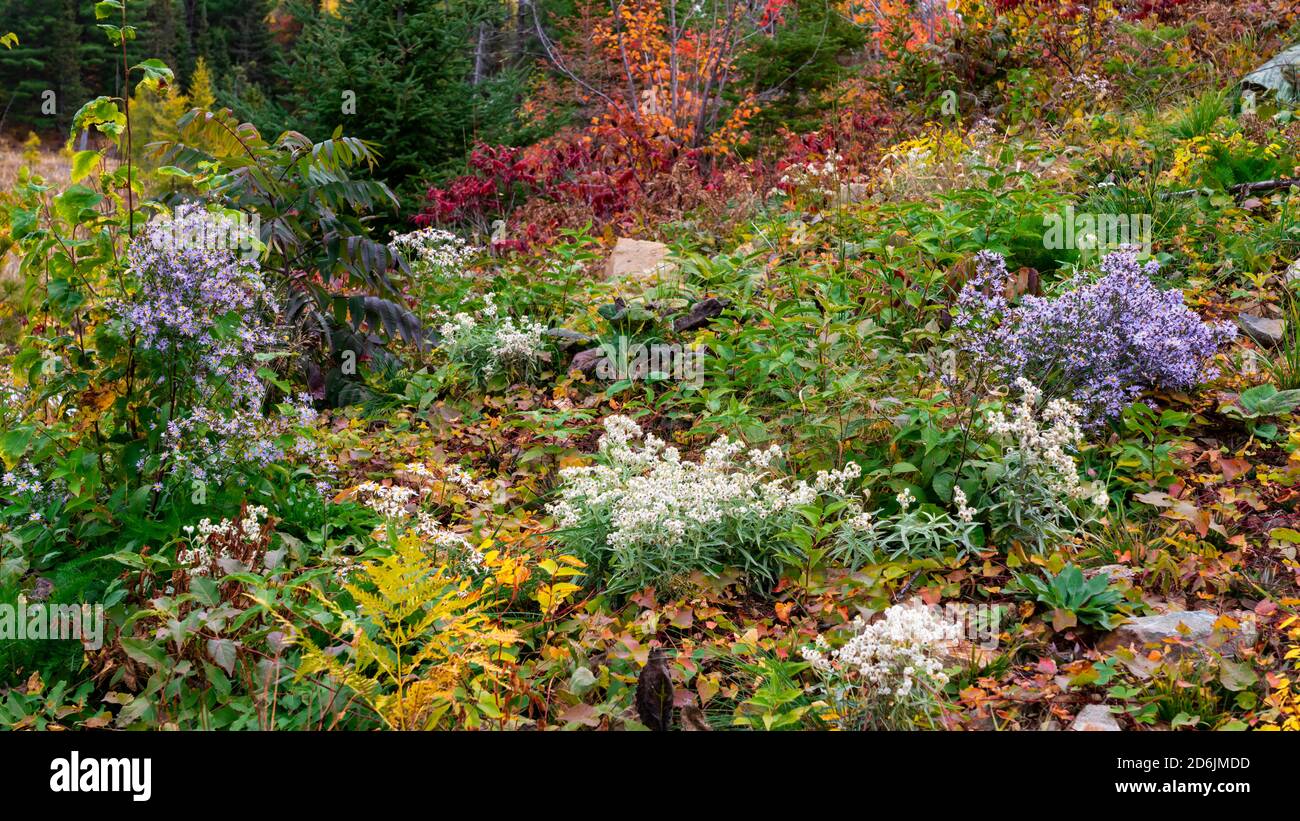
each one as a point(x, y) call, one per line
point(523, 15)
point(480, 54)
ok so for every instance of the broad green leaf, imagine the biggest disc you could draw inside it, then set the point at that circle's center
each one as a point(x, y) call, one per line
point(83, 162)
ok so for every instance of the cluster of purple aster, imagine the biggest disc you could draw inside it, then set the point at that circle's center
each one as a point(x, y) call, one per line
point(204, 305)
point(1101, 342)
point(190, 277)
point(24, 488)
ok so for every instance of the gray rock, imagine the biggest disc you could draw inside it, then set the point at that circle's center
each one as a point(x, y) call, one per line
point(566, 339)
point(639, 261)
point(1114, 572)
point(1277, 75)
point(587, 361)
point(700, 314)
point(1268, 332)
point(1175, 633)
point(1095, 718)
point(1150, 632)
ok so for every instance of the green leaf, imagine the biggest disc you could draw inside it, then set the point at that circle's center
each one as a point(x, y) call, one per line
point(74, 201)
point(1266, 400)
point(107, 8)
point(83, 162)
point(15, 443)
point(1236, 675)
point(1284, 534)
point(101, 114)
point(144, 651)
point(1184, 720)
point(156, 73)
point(205, 590)
point(126, 557)
point(218, 679)
point(943, 484)
point(223, 652)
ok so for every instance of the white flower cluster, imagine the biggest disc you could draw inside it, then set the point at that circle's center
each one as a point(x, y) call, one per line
point(394, 503)
point(905, 499)
point(814, 177)
point(389, 501)
point(515, 343)
point(965, 512)
point(889, 656)
point(1093, 85)
point(905, 172)
point(343, 567)
point(246, 528)
point(434, 250)
point(936, 162)
point(1043, 443)
point(492, 340)
point(857, 517)
point(445, 475)
point(652, 496)
point(198, 557)
point(437, 539)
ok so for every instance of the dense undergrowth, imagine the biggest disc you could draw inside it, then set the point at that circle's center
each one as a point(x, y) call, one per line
point(902, 433)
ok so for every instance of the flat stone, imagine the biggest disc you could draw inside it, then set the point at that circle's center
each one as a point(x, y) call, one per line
point(1175, 633)
point(587, 361)
point(1268, 332)
point(1293, 271)
point(566, 338)
point(700, 314)
point(1150, 632)
point(636, 260)
point(1114, 572)
point(1095, 718)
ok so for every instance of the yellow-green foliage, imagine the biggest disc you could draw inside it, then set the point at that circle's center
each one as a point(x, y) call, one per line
point(154, 112)
point(201, 95)
point(423, 654)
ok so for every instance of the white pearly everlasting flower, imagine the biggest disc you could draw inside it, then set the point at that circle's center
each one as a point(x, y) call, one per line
point(444, 475)
point(492, 341)
point(435, 251)
point(905, 499)
point(438, 541)
point(892, 654)
point(1042, 443)
point(389, 501)
point(197, 557)
point(652, 496)
point(965, 513)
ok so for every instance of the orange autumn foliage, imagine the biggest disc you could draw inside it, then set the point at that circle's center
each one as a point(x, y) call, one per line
point(673, 72)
